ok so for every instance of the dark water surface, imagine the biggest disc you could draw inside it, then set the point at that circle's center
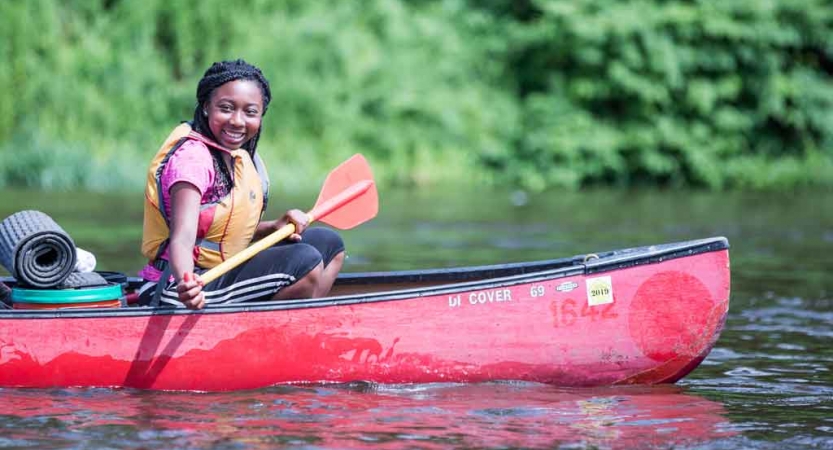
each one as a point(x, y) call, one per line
point(766, 385)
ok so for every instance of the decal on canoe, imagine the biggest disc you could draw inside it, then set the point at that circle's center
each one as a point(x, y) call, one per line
point(481, 297)
point(566, 286)
point(599, 291)
point(454, 301)
point(537, 290)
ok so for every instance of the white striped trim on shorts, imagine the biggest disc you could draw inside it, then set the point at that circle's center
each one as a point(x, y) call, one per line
point(238, 292)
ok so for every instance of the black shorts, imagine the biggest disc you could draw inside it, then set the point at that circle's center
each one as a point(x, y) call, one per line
point(261, 277)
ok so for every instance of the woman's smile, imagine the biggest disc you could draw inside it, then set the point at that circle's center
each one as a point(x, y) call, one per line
point(234, 136)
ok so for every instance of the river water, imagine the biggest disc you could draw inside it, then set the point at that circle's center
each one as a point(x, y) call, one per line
point(766, 385)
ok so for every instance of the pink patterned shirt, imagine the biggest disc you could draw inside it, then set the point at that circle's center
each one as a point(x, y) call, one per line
point(191, 163)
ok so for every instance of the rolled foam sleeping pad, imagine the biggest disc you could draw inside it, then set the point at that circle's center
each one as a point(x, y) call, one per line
point(36, 250)
point(83, 279)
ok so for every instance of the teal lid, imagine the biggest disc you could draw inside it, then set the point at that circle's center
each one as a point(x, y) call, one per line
point(82, 295)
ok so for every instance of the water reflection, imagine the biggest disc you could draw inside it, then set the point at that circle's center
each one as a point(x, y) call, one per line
point(769, 379)
point(388, 416)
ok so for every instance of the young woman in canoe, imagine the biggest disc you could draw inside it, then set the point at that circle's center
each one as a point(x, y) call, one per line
point(205, 195)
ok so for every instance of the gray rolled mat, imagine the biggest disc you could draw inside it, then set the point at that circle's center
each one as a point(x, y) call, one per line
point(36, 250)
point(80, 280)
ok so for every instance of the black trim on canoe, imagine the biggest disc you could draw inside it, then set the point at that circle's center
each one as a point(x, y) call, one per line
point(592, 262)
point(460, 279)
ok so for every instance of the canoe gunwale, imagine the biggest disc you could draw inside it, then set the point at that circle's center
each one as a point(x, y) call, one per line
point(623, 259)
point(278, 305)
point(513, 274)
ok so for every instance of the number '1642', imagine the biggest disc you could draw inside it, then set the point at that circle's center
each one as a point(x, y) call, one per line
point(565, 313)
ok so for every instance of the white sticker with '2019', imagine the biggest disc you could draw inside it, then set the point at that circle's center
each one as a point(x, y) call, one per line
point(599, 291)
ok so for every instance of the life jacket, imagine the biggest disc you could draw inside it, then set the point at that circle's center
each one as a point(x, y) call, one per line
point(225, 227)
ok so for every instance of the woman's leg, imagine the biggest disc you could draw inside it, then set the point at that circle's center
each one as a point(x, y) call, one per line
point(329, 275)
point(305, 287)
point(269, 273)
point(289, 270)
point(331, 247)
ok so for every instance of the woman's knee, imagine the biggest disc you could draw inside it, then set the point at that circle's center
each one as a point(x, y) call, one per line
point(304, 258)
point(326, 241)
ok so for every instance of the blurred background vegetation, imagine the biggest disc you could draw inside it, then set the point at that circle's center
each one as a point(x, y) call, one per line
point(534, 94)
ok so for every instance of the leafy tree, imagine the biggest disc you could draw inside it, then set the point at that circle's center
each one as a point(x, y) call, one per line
point(530, 93)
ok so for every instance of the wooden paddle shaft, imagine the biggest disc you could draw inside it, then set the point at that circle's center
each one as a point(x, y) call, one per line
point(318, 212)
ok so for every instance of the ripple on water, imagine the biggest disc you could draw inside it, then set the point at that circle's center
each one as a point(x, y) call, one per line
point(748, 372)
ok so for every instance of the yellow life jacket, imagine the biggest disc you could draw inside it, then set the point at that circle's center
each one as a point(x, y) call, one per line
point(226, 226)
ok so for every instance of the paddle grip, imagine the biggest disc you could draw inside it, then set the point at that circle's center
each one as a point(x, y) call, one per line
point(270, 240)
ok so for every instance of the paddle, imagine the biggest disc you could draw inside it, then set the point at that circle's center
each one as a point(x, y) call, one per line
point(347, 199)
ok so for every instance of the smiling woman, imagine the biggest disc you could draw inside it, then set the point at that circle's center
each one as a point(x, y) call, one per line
point(205, 195)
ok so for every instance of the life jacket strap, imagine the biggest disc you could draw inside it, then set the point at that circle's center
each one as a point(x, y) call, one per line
point(160, 264)
point(161, 285)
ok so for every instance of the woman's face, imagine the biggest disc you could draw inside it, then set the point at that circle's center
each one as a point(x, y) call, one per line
point(234, 112)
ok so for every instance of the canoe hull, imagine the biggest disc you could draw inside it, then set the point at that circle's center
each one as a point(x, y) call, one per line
point(642, 323)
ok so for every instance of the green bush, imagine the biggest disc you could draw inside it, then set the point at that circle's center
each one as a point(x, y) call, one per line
point(536, 94)
point(713, 93)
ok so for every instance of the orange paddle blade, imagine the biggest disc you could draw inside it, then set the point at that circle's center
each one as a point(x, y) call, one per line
point(348, 197)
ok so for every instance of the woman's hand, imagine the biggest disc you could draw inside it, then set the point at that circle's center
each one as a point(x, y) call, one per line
point(189, 290)
point(294, 216)
point(298, 218)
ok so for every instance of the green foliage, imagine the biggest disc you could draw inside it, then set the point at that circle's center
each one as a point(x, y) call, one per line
point(533, 93)
point(711, 93)
point(401, 84)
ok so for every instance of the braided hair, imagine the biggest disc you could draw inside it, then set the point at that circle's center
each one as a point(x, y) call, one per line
point(219, 74)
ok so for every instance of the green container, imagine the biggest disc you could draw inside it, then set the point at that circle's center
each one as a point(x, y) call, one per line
point(82, 295)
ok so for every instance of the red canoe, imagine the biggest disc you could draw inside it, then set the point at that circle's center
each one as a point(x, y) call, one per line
point(643, 315)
